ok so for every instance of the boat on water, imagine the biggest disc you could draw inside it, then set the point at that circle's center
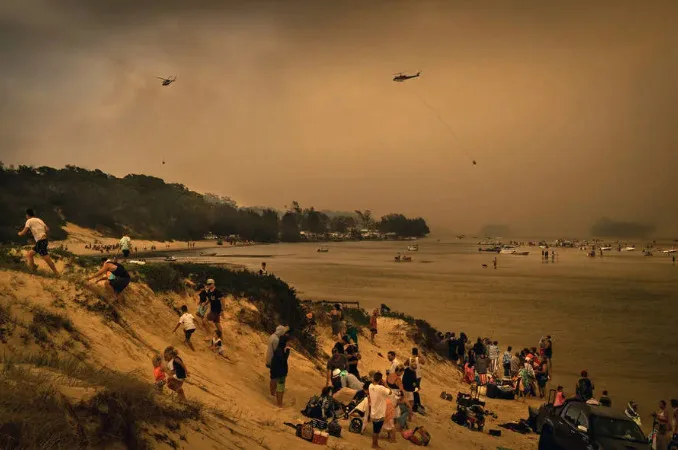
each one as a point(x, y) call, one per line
point(413, 248)
point(628, 249)
point(606, 249)
point(139, 262)
point(323, 250)
point(673, 250)
point(508, 250)
point(517, 253)
point(489, 249)
point(207, 254)
point(170, 258)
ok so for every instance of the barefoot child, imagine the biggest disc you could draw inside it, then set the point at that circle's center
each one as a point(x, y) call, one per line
point(178, 371)
point(159, 372)
point(188, 321)
point(216, 345)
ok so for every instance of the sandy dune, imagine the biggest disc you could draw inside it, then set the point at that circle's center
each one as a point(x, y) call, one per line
point(240, 411)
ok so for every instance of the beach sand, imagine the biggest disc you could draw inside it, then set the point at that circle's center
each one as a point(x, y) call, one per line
point(248, 417)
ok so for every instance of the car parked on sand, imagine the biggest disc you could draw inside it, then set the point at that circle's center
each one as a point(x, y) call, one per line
point(577, 425)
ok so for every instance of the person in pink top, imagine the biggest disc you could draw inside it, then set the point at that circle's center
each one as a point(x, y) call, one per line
point(560, 397)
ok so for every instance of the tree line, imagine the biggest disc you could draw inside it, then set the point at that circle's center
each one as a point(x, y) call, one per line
point(148, 207)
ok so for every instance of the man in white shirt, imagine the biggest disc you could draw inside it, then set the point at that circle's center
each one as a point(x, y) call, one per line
point(39, 231)
point(378, 395)
point(125, 244)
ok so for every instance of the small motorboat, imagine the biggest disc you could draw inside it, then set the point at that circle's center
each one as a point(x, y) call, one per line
point(413, 248)
point(489, 249)
point(207, 254)
point(139, 262)
point(517, 253)
point(323, 250)
point(628, 249)
point(508, 250)
point(170, 258)
point(606, 249)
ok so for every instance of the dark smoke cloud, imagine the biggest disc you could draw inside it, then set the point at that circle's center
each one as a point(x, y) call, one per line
point(569, 108)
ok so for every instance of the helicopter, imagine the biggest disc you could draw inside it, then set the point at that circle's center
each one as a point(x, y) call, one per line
point(167, 81)
point(400, 77)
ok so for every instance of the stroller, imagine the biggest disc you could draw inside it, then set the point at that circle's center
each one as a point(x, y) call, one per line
point(470, 412)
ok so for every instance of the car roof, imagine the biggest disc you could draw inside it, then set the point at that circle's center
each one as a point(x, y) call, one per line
point(600, 411)
point(608, 412)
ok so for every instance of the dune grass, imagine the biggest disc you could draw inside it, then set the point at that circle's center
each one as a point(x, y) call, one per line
point(35, 414)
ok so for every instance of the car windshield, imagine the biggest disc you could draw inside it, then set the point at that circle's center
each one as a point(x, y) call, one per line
point(617, 429)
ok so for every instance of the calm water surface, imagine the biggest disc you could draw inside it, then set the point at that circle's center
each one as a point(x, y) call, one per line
point(614, 316)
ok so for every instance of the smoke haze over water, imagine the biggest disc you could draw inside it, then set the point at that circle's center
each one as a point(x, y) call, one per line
point(569, 109)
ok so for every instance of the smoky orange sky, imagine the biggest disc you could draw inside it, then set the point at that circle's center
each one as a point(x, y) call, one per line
point(570, 108)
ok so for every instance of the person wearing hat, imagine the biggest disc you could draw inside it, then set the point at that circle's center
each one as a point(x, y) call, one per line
point(215, 298)
point(118, 278)
point(342, 379)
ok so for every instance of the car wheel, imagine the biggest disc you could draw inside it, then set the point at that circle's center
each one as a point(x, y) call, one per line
point(546, 441)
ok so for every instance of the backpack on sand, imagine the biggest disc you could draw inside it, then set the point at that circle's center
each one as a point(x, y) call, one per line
point(420, 437)
point(313, 408)
point(334, 428)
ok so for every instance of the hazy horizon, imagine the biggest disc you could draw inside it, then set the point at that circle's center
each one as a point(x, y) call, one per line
point(569, 109)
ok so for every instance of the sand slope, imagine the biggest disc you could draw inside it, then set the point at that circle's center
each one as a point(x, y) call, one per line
point(239, 413)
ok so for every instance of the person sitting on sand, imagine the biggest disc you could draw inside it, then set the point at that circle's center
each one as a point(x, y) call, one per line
point(39, 230)
point(187, 320)
point(216, 345)
point(177, 370)
point(605, 400)
point(118, 278)
point(279, 368)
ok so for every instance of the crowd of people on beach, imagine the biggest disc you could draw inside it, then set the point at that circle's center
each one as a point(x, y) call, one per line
point(390, 399)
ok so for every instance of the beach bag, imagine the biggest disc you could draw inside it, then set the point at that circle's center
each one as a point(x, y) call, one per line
point(313, 408)
point(420, 437)
point(305, 431)
point(334, 428)
point(319, 437)
point(356, 425)
point(319, 424)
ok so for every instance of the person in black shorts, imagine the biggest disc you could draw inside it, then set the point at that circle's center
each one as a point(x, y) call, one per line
point(214, 296)
point(39, 230)
point(118, 278)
